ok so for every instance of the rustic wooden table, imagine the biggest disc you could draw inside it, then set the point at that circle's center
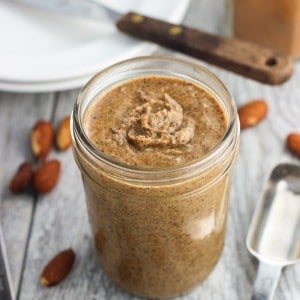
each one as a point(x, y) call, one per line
point(35, 228)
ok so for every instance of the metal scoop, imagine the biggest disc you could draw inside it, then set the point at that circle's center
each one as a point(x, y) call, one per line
point(274, 234)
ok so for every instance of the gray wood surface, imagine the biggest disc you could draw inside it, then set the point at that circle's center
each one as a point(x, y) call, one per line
point(36, 228)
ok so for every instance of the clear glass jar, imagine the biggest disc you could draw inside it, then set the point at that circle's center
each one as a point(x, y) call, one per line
point(273, 23)
point(157, 232)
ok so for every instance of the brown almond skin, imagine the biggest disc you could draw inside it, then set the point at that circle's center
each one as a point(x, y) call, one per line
point(251, 113)
point(63, 135)
point(293, 143)
point(57, 268)
point(42, 135)
point(22, 179)
point(46, 176)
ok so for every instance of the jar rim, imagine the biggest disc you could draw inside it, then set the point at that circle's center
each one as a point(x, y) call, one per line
point(202, 163)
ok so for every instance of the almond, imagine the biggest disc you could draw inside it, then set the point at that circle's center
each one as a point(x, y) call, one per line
point(293, 143)
point(252, 112)
point(63, 135)
point(22, 179)
point(46, 176)
point(57, 268)
point(41, 138)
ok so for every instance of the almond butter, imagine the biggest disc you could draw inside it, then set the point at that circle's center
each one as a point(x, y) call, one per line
point(63, 135)
point(41, 138)
point(22, 179)
point(46, 176)
point(293, 143)
point(252, 113)
point(57, 268)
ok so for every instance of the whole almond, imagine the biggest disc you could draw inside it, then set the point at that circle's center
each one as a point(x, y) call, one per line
point(57, 268)
point(252, 113)
point(46, 176)
point(63, 135)
point(293, 143)
point(41, 138)
point(22, 178)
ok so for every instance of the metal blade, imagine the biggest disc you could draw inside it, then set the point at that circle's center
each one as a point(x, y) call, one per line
point(6, 290)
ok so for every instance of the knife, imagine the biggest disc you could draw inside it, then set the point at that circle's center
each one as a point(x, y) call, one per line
point(247, 59)
point(6, 290)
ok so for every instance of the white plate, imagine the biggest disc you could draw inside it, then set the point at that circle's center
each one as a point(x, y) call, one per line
point(44, 51)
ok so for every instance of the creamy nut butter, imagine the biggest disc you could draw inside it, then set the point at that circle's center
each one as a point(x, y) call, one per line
point(155, 121)
point(155, 140)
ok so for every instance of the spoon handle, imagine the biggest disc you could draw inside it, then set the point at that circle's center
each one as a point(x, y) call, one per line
point(266, 281)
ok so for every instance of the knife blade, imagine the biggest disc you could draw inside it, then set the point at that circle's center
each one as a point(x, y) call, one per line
point(6, 289)
point(247, 59)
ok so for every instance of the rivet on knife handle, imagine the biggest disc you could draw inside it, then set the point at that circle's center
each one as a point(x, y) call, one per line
point(247, 59)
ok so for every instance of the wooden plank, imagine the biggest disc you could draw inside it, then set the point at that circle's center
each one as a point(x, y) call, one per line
point(18, 112)
point(261, 149)
point(61, 222)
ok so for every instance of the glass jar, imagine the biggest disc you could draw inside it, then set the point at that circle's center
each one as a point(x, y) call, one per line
point(157, 232)
point(273, 23)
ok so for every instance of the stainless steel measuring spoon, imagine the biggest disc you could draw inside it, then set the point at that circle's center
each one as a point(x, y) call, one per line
point(274, 233)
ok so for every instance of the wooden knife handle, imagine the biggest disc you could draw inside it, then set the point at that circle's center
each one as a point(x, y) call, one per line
point(247, 59)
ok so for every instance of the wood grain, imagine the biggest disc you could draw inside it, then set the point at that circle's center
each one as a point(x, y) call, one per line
point(17, 115)
point(250, 60)
point(60, 219)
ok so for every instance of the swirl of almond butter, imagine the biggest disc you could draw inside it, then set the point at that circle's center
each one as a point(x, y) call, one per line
point(157, 122)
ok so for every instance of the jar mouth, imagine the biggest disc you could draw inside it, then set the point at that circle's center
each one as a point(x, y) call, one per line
point(78, 132)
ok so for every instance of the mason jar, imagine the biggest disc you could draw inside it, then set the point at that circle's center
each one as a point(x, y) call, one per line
point(274, 23)
point(158, 232)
